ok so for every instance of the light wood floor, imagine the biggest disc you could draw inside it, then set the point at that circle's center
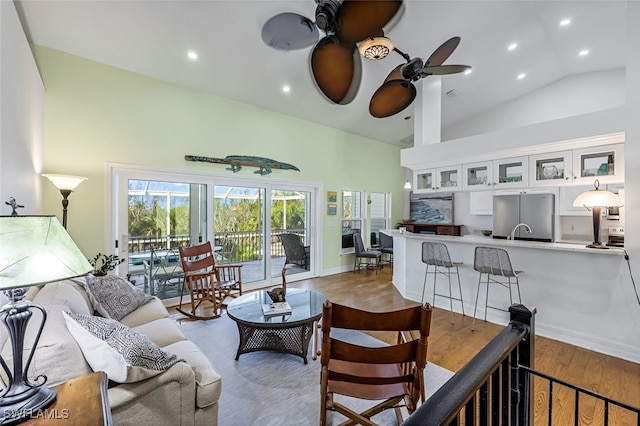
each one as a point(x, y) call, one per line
point(452, 345)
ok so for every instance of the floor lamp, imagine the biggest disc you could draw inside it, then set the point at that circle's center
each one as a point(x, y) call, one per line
point(66, 184)
point(36, 250)
point(595, 199)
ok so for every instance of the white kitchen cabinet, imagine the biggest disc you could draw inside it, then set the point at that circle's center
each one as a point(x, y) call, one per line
point(424, 180)
point(437, 179)
point(481, 202)
point(605, 163)
point(511, 172)
point(552, 168)
point(567, 195)
point(477, 176)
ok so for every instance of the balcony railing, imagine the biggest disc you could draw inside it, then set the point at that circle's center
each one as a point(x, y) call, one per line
point(247, 245)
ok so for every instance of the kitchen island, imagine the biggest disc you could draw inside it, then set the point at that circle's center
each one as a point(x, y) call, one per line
point(583, 296)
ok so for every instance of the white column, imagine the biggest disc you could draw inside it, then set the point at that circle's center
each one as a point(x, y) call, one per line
point(428, 111)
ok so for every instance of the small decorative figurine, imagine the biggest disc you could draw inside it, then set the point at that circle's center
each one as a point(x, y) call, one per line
point(14, 206)
point(277, 294)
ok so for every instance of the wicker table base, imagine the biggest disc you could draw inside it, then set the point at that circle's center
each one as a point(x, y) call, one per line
point(290, 333)
point(293, 340)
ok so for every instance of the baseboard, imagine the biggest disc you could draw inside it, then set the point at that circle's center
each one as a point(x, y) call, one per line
point(588, 341)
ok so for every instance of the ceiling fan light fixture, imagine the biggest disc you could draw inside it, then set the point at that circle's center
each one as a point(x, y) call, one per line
point(375, 48)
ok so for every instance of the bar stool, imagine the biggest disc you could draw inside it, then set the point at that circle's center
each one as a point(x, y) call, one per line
point(494, 262)
point(437, 254)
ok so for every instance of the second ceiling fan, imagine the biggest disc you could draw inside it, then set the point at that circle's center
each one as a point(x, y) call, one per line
point(398, 91)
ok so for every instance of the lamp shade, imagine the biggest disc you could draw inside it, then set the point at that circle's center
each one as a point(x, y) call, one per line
point(597, 198)
point(65, 181)
point(407, 185)
point(37, 250)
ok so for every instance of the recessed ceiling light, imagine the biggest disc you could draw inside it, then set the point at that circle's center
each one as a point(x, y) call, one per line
point(192, 55)
point(286, 88)
point(521, 76)
point(467, 72)
point(565, 22)
point(583, 52)
point(512, 46)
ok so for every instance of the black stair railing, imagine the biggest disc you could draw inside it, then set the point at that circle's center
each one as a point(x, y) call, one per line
point(496, 388)
point(488, 390)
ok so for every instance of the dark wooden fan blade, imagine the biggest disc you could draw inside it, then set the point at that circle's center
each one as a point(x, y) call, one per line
point(396, 74)
point(443, 52)
point(289, 31)
point(336, 70)
point(443, 70)
point(358, 20)
point(391, 98)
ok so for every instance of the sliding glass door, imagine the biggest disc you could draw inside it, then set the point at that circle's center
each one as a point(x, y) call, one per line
point(155, 212)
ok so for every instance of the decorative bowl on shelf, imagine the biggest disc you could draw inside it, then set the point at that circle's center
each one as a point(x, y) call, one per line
point(486, 232)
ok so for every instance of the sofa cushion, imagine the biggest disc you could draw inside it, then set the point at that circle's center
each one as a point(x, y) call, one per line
point(208, 380)
point(114, 297)
point(124, 354)
point(57, 355)
point(148, 312)
point(162, 332)
point(64, 293)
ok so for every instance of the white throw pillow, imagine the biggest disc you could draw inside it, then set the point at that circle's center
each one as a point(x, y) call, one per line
point(124, 354)
point(113, 296)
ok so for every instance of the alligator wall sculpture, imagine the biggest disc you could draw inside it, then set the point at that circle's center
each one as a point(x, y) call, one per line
point(264, 165)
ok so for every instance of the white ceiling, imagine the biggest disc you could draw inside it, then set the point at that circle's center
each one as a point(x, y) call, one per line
point(153, 37)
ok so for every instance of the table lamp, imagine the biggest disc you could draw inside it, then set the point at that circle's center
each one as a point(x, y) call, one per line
point(596, 199)
point(35, 250)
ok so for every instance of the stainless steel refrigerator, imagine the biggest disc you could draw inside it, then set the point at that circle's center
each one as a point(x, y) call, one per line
point(536, 210)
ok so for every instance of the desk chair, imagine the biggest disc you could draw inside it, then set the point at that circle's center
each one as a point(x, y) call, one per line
point(437, 255)
point(393, 374)
point(495, 264)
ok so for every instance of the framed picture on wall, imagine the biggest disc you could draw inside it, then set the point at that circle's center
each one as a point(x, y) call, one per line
point(332, 197)
point(332, 209)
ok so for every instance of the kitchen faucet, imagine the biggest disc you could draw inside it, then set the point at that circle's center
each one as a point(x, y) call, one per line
point(513, 231)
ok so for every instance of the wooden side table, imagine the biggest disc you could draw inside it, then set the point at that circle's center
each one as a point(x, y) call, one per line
point(82, 401)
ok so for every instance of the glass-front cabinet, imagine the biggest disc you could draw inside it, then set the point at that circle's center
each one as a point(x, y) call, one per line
point(437, 179)
point(550, 169)
point(478, 175)
point(603, 163)
point(448, 178)
point(424, 180)
point(511, 172)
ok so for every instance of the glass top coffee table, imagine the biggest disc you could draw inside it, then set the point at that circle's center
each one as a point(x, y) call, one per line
point(287, 333)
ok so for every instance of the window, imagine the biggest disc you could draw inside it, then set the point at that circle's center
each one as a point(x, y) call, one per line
point(351, 217)
point(379, 214)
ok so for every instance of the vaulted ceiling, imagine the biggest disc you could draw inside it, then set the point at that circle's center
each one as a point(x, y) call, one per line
point(153, 37)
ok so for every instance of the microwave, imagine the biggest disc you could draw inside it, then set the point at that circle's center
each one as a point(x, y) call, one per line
point(613, 213)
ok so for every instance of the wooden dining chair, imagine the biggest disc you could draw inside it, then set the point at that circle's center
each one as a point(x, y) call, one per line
point(391, 373)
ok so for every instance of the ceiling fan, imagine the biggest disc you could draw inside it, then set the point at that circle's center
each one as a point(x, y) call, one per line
point(335, 60)
point(398, 91)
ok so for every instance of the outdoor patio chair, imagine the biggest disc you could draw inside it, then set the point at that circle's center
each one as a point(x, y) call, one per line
point(295, 251)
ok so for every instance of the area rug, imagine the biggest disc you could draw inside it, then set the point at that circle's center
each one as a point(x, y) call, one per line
point(268, 388)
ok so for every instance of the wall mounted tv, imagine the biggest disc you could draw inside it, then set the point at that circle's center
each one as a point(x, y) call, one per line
point(431, 208)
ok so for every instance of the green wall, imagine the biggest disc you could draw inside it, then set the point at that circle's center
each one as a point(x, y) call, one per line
point(96, 114)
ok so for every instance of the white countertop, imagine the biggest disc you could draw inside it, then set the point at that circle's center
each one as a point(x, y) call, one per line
point(482, 240)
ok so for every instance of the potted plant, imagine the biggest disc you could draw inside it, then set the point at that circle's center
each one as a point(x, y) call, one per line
point(103, 263)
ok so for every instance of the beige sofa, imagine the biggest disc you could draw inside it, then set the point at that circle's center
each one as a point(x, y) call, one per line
point(185, 394)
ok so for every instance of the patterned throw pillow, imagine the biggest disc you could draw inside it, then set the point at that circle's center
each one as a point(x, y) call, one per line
point(126, 355)
point(113, 296)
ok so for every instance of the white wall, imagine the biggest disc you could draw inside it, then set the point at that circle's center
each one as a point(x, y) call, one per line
point(574, 95)
point(21, 107)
